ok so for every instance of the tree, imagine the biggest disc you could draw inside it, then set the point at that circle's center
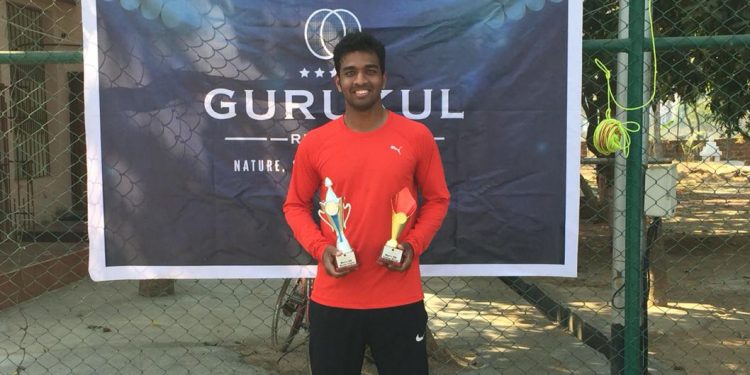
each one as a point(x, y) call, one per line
point(722, 74)
point(719, 76)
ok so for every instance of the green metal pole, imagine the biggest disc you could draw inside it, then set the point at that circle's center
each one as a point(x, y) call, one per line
point(590, 45)
point(634, 192)
point(678, 42)
point(41, 57)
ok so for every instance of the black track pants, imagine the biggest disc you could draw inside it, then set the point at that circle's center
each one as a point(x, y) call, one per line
point(395, 335)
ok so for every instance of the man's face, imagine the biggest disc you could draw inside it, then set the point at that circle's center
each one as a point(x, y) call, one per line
point(360, 79)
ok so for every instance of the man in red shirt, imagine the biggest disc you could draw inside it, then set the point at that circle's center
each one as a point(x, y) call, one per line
point(368, 155)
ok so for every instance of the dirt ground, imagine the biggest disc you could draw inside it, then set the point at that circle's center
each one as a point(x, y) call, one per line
point(701, 324)
point(481, 327)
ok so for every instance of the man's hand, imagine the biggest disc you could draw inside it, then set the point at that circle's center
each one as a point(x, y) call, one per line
point(406, 259)
point(329, 263)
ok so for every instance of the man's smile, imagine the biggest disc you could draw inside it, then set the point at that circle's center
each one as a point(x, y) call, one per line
point(361, 93)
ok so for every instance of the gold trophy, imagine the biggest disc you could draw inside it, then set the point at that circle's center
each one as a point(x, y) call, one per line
point(335, 212)
point(403, 206)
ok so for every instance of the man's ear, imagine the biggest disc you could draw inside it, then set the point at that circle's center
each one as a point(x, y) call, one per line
point(337, 82)
point(385, 79)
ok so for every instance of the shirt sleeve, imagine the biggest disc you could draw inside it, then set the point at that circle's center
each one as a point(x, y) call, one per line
point(304, 182)
point(435, 197)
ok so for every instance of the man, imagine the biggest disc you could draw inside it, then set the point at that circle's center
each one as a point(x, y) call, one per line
point(369, 154)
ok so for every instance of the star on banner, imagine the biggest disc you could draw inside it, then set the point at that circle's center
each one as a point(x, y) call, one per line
point(303, 73)
point(319, 73)
point(332, 72)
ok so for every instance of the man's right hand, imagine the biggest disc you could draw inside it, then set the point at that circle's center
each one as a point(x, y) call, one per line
point(329, 263)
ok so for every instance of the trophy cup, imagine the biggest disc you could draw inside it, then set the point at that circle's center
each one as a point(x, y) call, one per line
point(403, 206)
point(335, 212)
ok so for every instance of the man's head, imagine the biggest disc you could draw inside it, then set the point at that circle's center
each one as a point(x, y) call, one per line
point(360, 60)
point(358, 42)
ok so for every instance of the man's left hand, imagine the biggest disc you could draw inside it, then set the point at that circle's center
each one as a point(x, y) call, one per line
point(406, 259)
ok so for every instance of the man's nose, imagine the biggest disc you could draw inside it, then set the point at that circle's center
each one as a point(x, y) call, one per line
point(359, 78)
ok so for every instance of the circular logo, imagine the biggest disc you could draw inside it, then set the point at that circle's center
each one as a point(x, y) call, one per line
point(325, 28)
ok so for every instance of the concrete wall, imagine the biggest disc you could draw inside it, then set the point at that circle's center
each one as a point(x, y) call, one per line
point(730, 150)
point(61, 22)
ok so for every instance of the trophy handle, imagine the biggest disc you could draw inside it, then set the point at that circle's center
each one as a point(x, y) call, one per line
point(347, 211)
point(323, 218)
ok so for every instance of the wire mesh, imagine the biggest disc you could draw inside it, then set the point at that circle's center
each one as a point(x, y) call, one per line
point(695, 235)
point(53, 319)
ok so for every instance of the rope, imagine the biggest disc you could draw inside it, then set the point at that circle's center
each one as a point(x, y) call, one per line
point(612, 135)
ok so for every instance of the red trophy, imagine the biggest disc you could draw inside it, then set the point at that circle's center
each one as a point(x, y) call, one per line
point(403, 205)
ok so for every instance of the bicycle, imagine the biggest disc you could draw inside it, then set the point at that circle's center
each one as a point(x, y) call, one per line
point(290, 313)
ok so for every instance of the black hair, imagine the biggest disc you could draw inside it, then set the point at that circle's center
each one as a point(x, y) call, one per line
point(358, 42)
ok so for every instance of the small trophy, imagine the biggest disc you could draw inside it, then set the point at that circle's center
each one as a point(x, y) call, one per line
point(335, 212)
point(403, 206)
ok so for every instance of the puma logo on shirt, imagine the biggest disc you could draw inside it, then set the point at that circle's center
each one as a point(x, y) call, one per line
point(397, 149)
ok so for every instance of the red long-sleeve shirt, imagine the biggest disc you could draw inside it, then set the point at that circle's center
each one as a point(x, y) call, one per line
point(367, 169)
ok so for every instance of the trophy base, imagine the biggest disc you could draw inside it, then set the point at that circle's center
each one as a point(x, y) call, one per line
point(391, 255)
point(346, 260)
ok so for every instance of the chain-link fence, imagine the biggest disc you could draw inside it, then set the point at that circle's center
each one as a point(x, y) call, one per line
point(693, 294)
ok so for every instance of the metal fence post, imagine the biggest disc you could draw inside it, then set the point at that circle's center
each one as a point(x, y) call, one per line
point(634, 193)
point(55, 320)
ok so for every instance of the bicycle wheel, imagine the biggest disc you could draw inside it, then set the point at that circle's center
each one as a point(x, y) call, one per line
point(289, 313)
